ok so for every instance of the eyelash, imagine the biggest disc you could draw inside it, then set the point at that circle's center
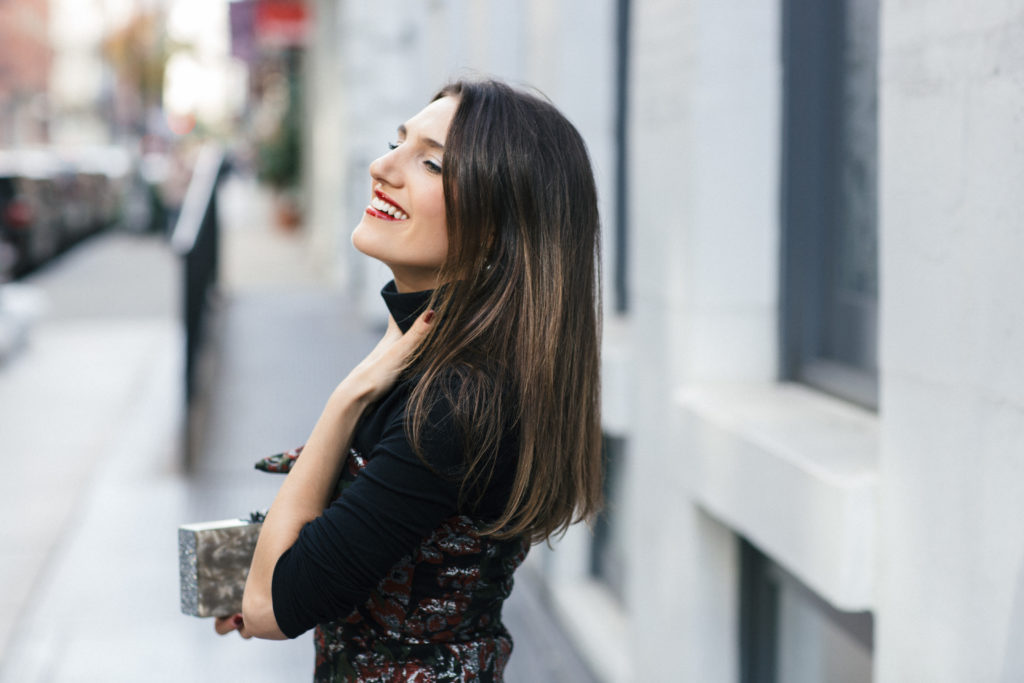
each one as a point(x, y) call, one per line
point(431, 166)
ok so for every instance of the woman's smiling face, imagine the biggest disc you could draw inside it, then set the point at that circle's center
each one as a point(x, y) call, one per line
point(404, 226)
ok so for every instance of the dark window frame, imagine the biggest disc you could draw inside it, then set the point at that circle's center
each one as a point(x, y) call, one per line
point(828, 332)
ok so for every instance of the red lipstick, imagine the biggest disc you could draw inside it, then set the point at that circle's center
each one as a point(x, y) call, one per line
point(377, 213)
point(370, 211)
point(389, 200)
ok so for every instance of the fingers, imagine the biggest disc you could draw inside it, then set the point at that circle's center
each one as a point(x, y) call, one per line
point(394, 331)
point(225, 625)
point(419, 328)
point(396, 351)
point(403, 347)
point(376, 373)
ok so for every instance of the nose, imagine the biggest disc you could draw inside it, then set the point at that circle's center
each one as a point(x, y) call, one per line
point(384, 169)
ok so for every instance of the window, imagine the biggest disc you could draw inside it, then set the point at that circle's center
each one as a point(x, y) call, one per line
point(788, 634)
point(829, 196)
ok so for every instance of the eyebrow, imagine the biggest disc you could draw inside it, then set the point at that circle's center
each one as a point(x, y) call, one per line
point(429, 142)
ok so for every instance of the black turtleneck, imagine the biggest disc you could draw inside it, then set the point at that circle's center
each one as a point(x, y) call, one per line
point(405, 307)
point(396, 501)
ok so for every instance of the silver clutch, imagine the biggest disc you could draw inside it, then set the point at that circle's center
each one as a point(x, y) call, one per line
point(214, 559)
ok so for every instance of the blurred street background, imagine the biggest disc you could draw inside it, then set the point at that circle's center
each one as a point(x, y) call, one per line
point(813, 385)
point(97, 483)
point(150, 186)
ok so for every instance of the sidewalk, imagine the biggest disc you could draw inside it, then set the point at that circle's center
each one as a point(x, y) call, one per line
point(89, 414)
point(91, 425)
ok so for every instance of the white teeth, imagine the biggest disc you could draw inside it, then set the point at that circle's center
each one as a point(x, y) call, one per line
point(387, 208)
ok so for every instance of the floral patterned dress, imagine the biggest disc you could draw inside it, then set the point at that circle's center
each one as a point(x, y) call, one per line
point(435, 617)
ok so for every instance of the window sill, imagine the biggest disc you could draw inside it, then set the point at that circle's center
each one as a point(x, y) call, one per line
point(795, 472)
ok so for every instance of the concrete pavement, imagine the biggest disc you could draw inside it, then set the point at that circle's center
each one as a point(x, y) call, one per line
point(90, 434)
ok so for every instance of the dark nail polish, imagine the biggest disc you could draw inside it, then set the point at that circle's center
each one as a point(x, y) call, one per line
point(428, 317)
point(238, 620)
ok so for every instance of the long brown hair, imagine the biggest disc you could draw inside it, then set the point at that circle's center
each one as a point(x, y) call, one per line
point(519, 320)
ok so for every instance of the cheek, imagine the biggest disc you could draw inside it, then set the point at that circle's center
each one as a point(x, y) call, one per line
point(437, 231)
point(442, 246)
point(434, 243)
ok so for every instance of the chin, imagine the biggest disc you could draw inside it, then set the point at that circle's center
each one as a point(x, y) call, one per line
point(369, 242)
point(362, 240)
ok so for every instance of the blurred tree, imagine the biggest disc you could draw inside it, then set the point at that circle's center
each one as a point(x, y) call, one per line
point(279, 135)
point(138, 53)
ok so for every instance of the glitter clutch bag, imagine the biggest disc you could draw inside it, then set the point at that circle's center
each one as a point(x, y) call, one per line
point(214, 557)
point(213, 560)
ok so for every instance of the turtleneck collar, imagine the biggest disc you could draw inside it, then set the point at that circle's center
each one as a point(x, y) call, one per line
point(405, 307)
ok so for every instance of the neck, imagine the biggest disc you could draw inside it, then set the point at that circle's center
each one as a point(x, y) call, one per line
point(412, 282)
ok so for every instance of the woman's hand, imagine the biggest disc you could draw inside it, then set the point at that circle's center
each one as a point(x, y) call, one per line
point(377, 373)
point(225, 625)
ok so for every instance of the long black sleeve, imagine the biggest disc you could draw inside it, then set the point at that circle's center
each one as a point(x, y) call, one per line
point(395, 502)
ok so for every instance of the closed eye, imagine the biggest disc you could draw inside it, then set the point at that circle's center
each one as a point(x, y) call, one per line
point(432, 166)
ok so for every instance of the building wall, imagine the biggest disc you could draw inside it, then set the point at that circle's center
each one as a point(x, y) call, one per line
point(24, 69)
point(912, 511)
point(703, 179)
point(325, 221)
point(951, 571)
point(77, 73)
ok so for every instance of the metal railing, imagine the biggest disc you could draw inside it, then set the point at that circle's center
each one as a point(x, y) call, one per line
point(195, 239)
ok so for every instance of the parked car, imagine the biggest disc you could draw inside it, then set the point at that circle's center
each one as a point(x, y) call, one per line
point(102, 175)
point(30, 220)
point(51, 199)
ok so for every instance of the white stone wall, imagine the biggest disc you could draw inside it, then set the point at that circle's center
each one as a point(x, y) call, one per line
point(951, 570)
point(383, 80)
point(325, 221)
point(914, 512)
point(703, 178)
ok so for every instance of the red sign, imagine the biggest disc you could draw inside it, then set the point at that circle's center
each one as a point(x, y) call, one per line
point(282, 23)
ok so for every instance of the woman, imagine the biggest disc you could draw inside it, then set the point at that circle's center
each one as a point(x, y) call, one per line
point(472, 429)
